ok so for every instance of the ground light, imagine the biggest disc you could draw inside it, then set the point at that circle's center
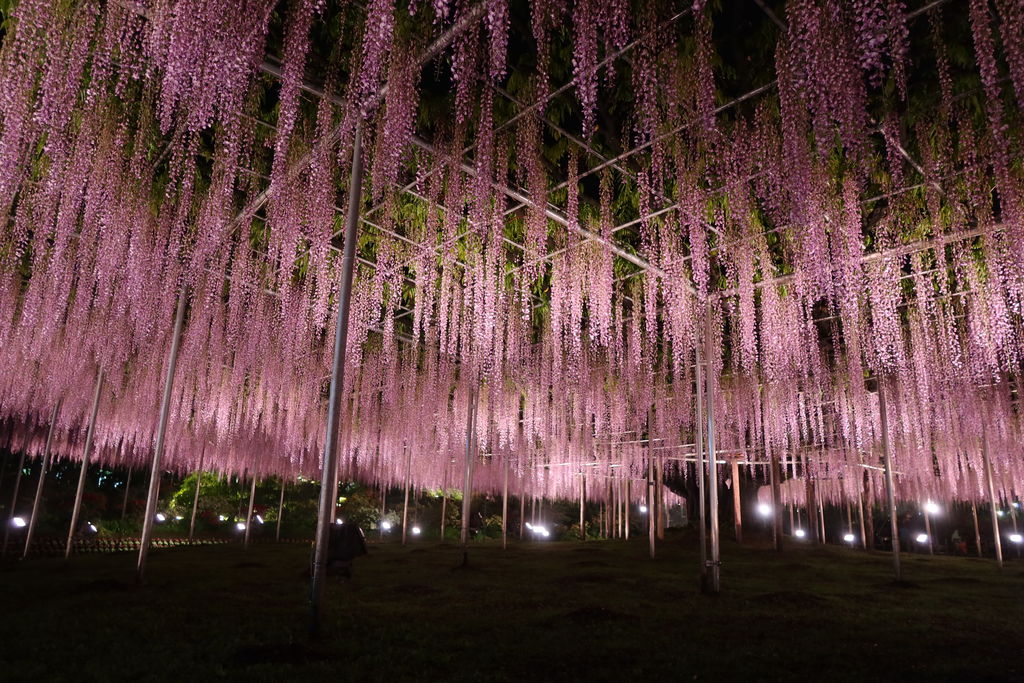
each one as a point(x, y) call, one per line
point(764, 509)
point(240, 526)
point(643, 509)
point(339, 520)
point(259, 519)
point(799, 533)
point(161, 517)
point(385, 525)
point(19, 522)
point(1016, 538)
point(415, 531)
point(849, 538)
point(931, 508)
point(921, 538)
point(92, 528)
point(178, 517)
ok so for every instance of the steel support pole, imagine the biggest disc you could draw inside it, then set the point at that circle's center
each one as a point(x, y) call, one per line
point(737, 505)
point(42, 478)
point(14, 503)
point(158, 451)
point(127, 485)
point(993, 501)
point(444, 510)
point(777, 508)
point(80, 491)
point(329, 466)
point(928, 533)
point(522, 510)
point(860, 518)
point(248, 514)
point(405, 501)
point(977, 528)
point(467, 485)
point(714, 573)
point(280, 512)
point(583, 504)
point(890, 487)
point(650, 501)
point(702, 504)
point(504, 507)
point(629, 500)
point(195, 498)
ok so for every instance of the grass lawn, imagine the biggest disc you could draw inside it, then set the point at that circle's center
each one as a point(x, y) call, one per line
point(544, 611)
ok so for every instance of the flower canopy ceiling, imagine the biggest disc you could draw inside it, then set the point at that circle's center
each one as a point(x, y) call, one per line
point(567, 204)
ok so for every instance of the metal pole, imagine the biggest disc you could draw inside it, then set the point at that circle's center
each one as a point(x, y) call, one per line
point(42, 478)
point(928, 533)
point(405, 503)
point(280, 512)
point(504, 508)
point(860, 517)
point(80, 491)
point(701, 480)
point(444, 509)
point(127, 485)
point(993, 501)
point(977, 527)
point(737, 507)
point(777, 510)
point(522, 510)
point(195, 498)
point(248, 515)
point(158, 452)
point(628, 500)
point(467, 486)
point(330, 460)
point(583, 503)
point(650, 500)
point(716, 561)
point(14, 503)
point(890, 488)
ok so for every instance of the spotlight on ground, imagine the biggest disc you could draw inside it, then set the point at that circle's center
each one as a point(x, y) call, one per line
point(92, 528)
point(849, 538)
point(259, 519)
point(161, 517)
point(643, 509)
point(339, 520)
point(19, 522)
point(178, 517)
point(921, 538)
point(764, 509)
point(240, 526)
point(931, 508)
point(1016, 538)
point(385, 525)
point(415, 531)
point(799, 533)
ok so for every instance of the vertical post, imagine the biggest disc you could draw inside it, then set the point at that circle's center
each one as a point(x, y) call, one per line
point(660, 496)
point(776, 477)
point(127, 485)
point(329, 465)
point(405, 502)
point(158, 451)
point(522, 511)
point(993, 501)
point(977, 527)
point(650, 501)
point(280, 512)
point(928, 532)
point(14, 503)
point(869, 512)
point(716, 560)
point(698, 448)
point(467, 486)
point(890, 488)
point(42, 478)
point(80, 491)
point(195, 498)
point(583, 503)
point(860, 517)
point(821, 519)
point(248, 516)
point(444, 509)
point(737, 506)
point(383, 508)
point(629, 501)
point(812, 502)
point(504, 507)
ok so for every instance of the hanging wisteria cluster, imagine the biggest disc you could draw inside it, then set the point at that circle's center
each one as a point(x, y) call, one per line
point(560, 241)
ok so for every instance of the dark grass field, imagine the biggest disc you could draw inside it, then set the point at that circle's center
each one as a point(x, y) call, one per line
point(551, 611)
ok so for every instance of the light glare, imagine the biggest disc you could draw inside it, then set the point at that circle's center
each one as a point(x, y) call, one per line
point(1016, 538)
point(799, 533)
point(385, 525)
point(921, 538)
point(160, 517)
point(849, 538)
point(931, 508)
point(240, 526)
point(19, 522)
point(764, 509)
point(643, 509)
point(415, 531)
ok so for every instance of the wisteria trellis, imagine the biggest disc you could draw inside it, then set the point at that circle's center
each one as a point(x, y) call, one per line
point(831, 236)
